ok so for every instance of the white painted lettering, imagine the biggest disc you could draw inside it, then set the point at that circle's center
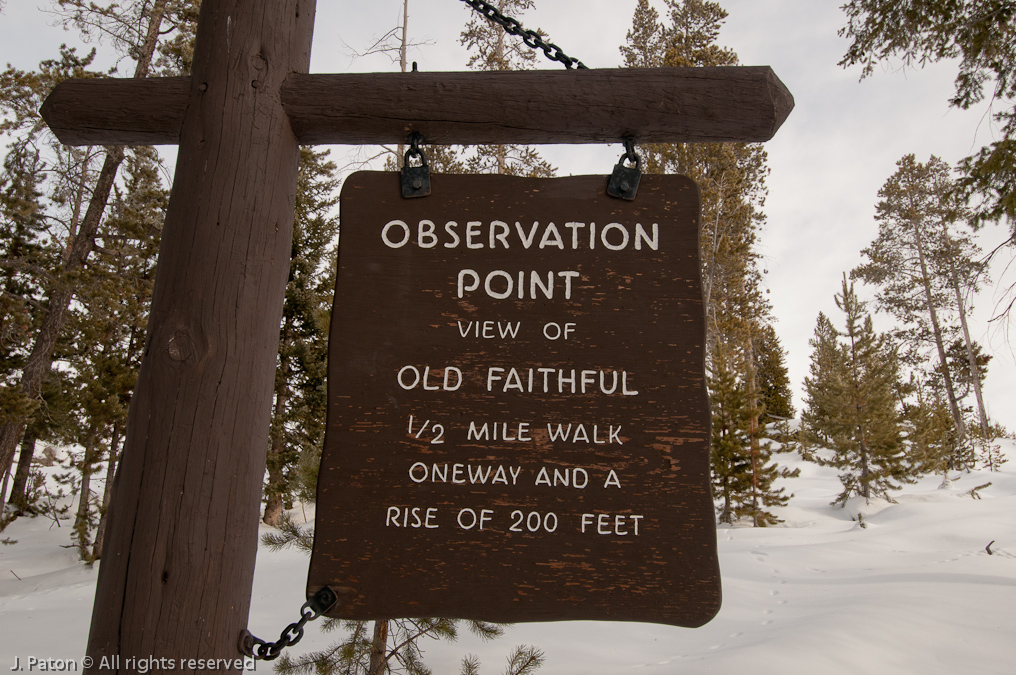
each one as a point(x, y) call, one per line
point(499, 231)
point(479, 476)
point(642, 236)
point(611, 227)
point(536, 281)
point(414, 472)
point(509, 285)
point(575, 227)
point(450, 229)
point(473, 232)
point(527, 241)
point(624, 386)
point(416, 517)
point(468, 519)
point(425, 237)
point(415, 374)
point(386, 237)
point(551, 237)
point(474, 434)
point(472, 285)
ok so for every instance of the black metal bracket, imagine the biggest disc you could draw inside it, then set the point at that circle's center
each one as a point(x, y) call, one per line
point(415, 179)
point(624, 181)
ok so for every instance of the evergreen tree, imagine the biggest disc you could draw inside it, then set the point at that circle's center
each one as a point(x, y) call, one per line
point(922, 269)
point(41, 212)
point(644, 47)
point(108, 330)
point(730, 456)
point(135, 29)
point(851, 402)
point(975, 35)
point(298, 416)
point(774, 379)
point(25, 254)
point(731, 179)
point(492, 49)
point(930, 434)
point(743, 472)
point(964, 377)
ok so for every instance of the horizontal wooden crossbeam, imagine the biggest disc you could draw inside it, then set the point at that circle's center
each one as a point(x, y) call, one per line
point(655, 105)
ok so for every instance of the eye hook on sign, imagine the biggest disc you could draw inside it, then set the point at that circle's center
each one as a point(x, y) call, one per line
point(624, 181)
point(415, 179)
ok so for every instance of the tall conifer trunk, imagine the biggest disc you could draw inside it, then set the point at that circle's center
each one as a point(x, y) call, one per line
point(18, 497)
point(950, 390)
point(276, 480)
point(961, 309)
point(80, 247)
point(378, 648)
point(107, 490)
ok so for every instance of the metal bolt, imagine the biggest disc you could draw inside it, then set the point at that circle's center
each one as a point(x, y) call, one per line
point(417, 183)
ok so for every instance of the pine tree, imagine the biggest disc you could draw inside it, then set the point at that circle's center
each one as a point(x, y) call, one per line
point(743, 472)
point(730, 456)
point(930, 434)
point(644, 47)
point(41, 213)
point(774, 378)
point(135, 29)
point(24, 259)
point(922, 269)
point(300, 396)
point(109, 330)
point(851, 402)
point(975, 36)
point(492, 49)
point(731, 179)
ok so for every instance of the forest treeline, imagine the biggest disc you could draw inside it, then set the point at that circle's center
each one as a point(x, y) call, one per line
point(79, 235)
point(81, 231)
point(79, 238)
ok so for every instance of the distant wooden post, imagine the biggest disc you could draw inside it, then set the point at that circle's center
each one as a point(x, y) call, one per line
point(178, 562)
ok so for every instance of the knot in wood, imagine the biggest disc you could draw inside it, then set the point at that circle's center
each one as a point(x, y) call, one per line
point(258, 63)
point(181, 346)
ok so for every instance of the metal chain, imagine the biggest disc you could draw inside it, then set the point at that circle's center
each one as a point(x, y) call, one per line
point(269, 651)
point(629, 153)
point(415, 139)
point(530, 37)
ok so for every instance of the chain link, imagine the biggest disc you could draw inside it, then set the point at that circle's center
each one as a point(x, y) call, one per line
point(293, 633)
point(629, 152)
point(530, 37)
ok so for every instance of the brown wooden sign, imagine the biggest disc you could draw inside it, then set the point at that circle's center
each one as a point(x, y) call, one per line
point(518, 424)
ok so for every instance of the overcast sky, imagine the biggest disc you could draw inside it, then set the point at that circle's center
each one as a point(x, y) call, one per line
point(829, 160)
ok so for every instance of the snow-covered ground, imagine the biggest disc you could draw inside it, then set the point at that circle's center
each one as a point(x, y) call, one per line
point(914, 591)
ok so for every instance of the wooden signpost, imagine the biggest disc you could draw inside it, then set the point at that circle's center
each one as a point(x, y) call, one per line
point(518, 423)
point(178, 560)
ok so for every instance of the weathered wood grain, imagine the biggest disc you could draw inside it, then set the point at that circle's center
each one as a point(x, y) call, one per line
point(178, 561)
point(633, 307)
point(742, 103)
point(118, 111)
